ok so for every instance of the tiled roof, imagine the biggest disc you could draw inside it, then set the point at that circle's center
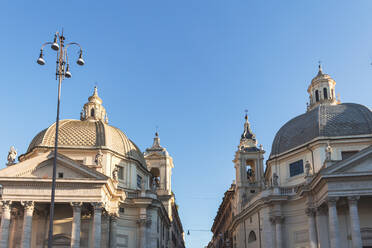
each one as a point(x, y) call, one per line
point(323, 121)
point(88, 134)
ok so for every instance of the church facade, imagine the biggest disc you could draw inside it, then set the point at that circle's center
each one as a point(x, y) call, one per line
point(108, 193)
point(316, 190)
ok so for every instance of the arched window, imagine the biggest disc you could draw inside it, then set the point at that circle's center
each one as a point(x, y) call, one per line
point(317, 95)
point(325, 93)
point(252, 237)
point(92, 112)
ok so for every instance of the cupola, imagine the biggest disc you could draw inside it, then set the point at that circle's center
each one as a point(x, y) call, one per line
point(93, 109)
point(322, 90)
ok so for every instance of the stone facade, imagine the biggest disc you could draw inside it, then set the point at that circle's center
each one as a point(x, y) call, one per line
point(103, 193)
point(316, 190)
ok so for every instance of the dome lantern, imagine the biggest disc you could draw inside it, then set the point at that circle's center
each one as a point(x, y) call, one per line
point(321, 90)
point(93, 109)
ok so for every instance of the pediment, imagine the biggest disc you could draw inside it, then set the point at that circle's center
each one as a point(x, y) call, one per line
point(359, 163)
point(42, 167)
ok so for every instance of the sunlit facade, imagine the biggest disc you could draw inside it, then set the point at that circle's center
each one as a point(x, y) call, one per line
point(108, 194)
point(316, 190)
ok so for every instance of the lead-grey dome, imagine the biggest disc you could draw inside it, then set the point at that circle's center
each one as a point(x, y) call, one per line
point(325, 120)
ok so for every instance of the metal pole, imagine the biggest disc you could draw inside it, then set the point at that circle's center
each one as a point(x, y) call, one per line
point(51, 211)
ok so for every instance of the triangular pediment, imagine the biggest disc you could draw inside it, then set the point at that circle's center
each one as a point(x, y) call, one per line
point(359, 163)
point(42, 167)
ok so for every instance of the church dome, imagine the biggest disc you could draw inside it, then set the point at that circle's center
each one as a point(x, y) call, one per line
point(91, 132)
point(325, 120)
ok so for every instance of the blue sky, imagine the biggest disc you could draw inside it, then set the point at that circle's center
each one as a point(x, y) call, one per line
point(190, 67)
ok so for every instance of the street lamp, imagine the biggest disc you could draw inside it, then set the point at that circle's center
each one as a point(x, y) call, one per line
point(62, 72)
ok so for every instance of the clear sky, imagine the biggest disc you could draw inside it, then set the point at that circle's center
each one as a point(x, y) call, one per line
point(190, 67)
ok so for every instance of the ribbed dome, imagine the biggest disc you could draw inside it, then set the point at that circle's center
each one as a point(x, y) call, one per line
point(88, 135)
point(323, 121)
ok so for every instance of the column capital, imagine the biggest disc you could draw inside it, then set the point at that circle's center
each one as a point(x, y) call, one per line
point(310, 212)
point(143, 222)
point(114, 217)
point(76, 205)
point(6, 205)
point(28, 205)
point(97, 205)
point(332, 200)
point(277, 219)
point(353, 199)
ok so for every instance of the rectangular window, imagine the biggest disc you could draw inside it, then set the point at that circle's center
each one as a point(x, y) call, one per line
point(120, 173)
point(139, 181)
point(296, 168)
point(347, 154)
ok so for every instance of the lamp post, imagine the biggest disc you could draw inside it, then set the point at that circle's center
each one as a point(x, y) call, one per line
point(62, 72)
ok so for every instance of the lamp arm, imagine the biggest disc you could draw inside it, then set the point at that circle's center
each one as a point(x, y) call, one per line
point(46, 43)
point(74, 43)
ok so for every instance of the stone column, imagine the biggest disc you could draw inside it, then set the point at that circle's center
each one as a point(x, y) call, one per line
point(113, 230)
point(313, 241)
point(354, 219)
point(27, 223)
point(5, 221)
point(96, 237)
point(333, 222)
point(75, 232)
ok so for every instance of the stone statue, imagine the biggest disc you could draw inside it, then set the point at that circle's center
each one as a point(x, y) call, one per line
point(328, 151)
point(275, 180)
point(154, 184)
point(99, 157)
point(307, 168)
point(12, 155)
point(244, 199)
point(115, 173)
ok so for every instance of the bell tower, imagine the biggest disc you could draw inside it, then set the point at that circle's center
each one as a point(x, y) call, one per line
point(160, 164)
point(248, 166)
